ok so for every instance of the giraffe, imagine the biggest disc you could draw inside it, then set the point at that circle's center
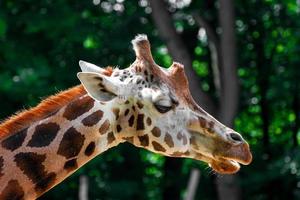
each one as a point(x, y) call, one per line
point(144, 104)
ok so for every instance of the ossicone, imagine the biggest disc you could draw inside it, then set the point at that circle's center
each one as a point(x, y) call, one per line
point(141, 46)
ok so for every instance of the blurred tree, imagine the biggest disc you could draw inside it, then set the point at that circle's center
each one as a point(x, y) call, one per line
point(42, 41)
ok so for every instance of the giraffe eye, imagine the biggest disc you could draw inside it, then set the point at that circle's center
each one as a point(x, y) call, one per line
point(162, 109)
point(163, 106)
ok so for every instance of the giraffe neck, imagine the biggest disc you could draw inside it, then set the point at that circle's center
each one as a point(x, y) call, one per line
point(45, 153)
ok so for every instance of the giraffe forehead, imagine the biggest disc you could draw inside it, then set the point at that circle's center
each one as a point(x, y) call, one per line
point(138, 77)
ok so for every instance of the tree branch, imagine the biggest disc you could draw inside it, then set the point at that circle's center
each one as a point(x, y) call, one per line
point(192, 184)
point(211, 34)
point(214, 47)
point(83, 187)
point(179, 51)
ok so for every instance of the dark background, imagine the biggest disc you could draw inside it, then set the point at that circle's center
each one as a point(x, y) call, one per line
point(242, 59)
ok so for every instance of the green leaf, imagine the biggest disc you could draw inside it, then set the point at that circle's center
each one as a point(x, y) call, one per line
point(3, 28)
point(89, 43)
point(201, 68)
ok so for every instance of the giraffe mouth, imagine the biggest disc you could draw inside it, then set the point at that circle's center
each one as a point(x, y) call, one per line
point(227, 161)
point(224, 166)
point(219, 164)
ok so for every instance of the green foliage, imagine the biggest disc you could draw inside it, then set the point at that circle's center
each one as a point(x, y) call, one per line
point(42, 41)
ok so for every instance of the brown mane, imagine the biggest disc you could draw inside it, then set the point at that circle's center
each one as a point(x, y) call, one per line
point(51, 104)
point(23, 119)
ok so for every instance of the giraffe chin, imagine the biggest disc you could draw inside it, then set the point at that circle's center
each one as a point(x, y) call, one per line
point(224, 166)
point(220, 165)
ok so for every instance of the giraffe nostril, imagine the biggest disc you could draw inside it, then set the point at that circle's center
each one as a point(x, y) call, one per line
point(236, 137)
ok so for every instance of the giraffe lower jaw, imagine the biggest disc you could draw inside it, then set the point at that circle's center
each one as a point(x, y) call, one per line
point(224, 166)
point(218, 164)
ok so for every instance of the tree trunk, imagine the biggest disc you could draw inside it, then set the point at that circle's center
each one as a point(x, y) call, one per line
point(227, 186)
point(83, 187)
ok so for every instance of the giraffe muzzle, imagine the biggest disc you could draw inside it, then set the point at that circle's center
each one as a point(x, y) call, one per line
point(222, 148)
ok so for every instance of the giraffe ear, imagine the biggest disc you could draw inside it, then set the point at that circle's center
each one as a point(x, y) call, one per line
point(89, 67)
point(98, 86)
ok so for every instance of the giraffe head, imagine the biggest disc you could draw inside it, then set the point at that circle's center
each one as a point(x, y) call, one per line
point(153, 109)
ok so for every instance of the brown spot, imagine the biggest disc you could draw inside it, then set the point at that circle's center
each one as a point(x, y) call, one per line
point(43, 135)
point(140, 122)
point(32, 166)
point(158, 147)
point(140, 105)
point(129, 139)
point(98, 78)
point(14, 141)
point(12, 191)
point(151, 78)
point(110, 137)
point(45, 183)
point(156, 132)
point(71, 143)
point(131, 120)
point(119, 128)
point(133, 108)
point(116, 74)
point(202, 122)
point(116, 112)
point(104, 127)
point(90, 149)
point(146, 73)
point(139, 69)
point(126, 112)
point(71, 165)
point(1, 166)
point(179, 135)
point(193, 142)
point(169, 141)
point(149, 121)
point(101, 85)
point(144, 140)
point(93, 118)
point(177, 154)
point(127, 102)
point(211, 125)
point(78, 107)
point(184, 140)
